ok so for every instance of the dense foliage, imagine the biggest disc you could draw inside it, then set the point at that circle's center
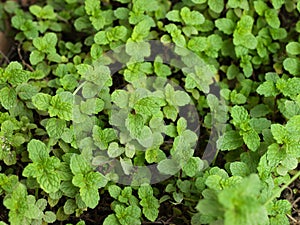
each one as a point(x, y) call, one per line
point(150, 111)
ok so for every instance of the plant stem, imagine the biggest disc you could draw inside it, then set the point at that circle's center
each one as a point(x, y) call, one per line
point(282, 188)
point(80, 86)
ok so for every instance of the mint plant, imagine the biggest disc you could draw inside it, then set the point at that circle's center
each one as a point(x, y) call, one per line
point(150, 112)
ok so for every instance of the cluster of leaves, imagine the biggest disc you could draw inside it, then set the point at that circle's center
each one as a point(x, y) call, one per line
point(71, 129)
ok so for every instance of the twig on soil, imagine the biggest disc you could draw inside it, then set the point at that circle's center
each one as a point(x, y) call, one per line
point(292, 218)
point(296, 201)
point(5, 57)
point(23, 61)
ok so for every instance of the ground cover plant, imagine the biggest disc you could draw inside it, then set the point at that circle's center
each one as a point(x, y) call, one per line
point(122, 112)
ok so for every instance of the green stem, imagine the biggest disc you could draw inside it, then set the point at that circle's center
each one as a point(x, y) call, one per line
point(79, 87)
point(282, 188)
point(36, 193)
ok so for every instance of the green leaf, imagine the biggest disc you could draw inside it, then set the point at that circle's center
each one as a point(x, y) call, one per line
point(161, 69)
point(114, 150)
point(260, 110)
point(55, 127)
point(47, 43)
point(103, 137)
point(277, 3)
point(121, 13)
point(146, 137)
point(193, 166)
point(278, 33)
point(225, 25)
point(173, 16)
point(199, 1)
point(138, 50)
point(43, 167)
point(168, 166)
point(114, 191)
point(191, 17)
point(135, 125)
point(111, 220)
point(234, 202)
point(216, 5)
point(267, 89)
point(197, 44)
point(129, 215)
point(117, 33)
point(79, 165)
point(100, 38)
point(49, 217)
point(230, 140)
point(50, 180)
point(92, 6)
point(154, 155)
point(252, 139)
point(293, 48)
point(272, 18)
point(147, 106)
point(61, 105)
point(15, 74)
point(90, 196)
point(239, 115)
point(181, 125)
point(171, 112)
point(237, 98)
point(260, 124)
point(47, 12)
point(70, 206)
point(181, 98)
point(92, 106)
point(242, 34)
point(141, 30)
point(41, 101)
point(26, 91)
point(37, 150)
point(8, 97)
point(243, 4)
point(289, 87)
point(239, 169)
point(279, 133)
point(99, 75)
point(149, 203)
point(292, 65)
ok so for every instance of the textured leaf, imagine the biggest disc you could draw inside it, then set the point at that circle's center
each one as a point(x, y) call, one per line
point(239, 115)
point(135, 124)
point(103, 137)
point(37, 150)
point(216, 5)
point(114, 150)
point(292, 65)
point(92, 106)
point(225, 25)
point(191, 17)
point(147, 106)
point(293, 48)
point(168, 166)
point(272, 18)
point(230, 140)
point(251, 139)
point(55, 127)
point(41, 101)
point(79, 165)
point(90, 196)
point(149, 202)
point(61, 105)
point(8, 97)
